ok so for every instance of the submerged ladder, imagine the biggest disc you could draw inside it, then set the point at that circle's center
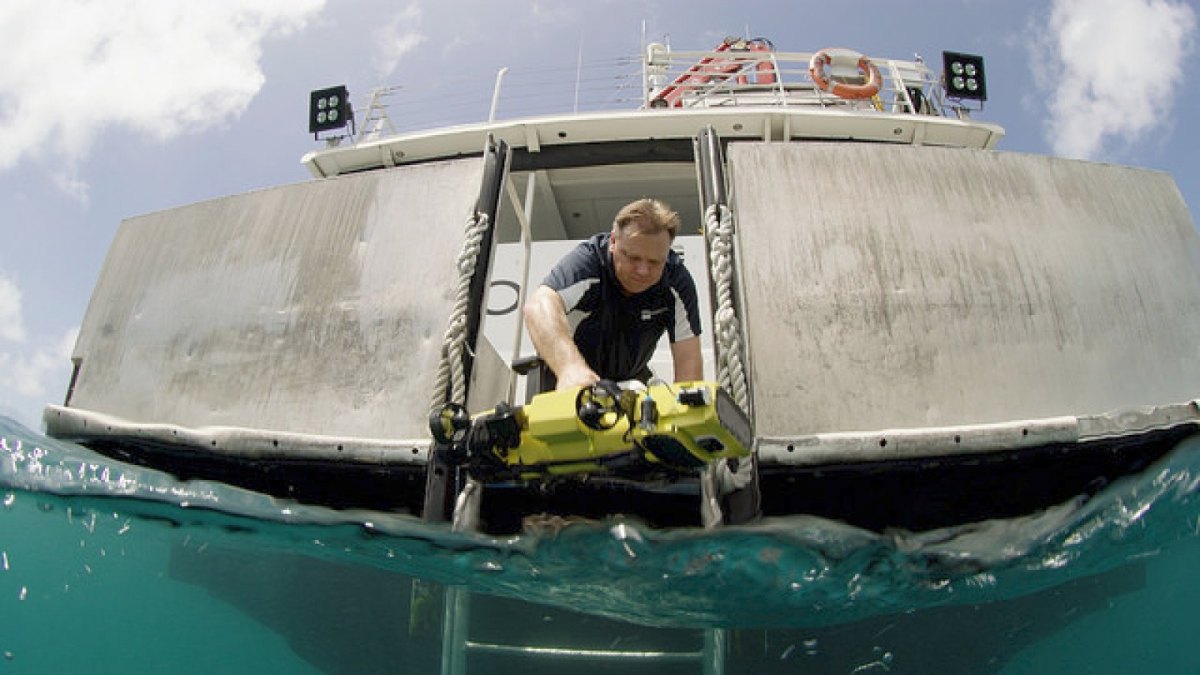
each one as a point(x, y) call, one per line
point(457, 645)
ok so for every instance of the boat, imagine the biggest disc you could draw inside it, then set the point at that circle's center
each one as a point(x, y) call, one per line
point(909, 328)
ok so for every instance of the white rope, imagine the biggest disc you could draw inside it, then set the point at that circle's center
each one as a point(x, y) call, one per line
point(451, 376)
point(727, 330)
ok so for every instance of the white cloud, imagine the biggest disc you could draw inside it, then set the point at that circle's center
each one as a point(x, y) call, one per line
point(35, 375)
point(25, 372)
point(396, 38)
point(73, 68)
point(30, 371)
point(12, 327)
point(1109, 69)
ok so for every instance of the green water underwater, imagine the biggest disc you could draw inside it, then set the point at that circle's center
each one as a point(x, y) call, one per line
point(109, 568)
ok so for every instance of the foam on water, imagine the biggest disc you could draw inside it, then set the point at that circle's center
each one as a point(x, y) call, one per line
point(86, 541)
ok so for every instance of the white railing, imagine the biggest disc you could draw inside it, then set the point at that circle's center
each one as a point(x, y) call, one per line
point(718, 78)
point(625, 83)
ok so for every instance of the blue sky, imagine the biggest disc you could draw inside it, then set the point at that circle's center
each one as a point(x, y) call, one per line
point(115, 108)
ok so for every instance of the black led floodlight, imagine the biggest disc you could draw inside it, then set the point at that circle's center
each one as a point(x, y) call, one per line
point(963, 75)
point(329, 109)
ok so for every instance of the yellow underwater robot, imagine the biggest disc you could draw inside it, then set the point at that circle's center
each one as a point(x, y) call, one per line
point(603, 428)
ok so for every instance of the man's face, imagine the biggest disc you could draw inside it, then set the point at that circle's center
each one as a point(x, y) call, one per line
point(639, 259)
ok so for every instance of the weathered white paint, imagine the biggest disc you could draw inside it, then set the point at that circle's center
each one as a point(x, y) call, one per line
point(909, 287)
point(310, 308)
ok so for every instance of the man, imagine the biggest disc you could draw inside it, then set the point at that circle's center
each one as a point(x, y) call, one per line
point(600, 312)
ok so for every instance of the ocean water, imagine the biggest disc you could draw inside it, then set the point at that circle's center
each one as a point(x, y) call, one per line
point(109, 568)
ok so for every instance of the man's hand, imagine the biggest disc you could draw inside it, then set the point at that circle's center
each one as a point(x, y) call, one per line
point(576, 376)
point(546, 320)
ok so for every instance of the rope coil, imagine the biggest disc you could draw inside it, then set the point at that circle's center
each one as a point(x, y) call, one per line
point(451, 375)
point(727, 330)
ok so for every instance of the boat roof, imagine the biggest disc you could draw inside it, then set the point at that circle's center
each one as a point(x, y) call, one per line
point(742, 92)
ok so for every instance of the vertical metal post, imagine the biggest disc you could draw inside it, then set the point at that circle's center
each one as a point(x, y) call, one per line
point(715, 645)
point(455, 626)
point(708, 164)
point(578, 73)
point(524, 212)
point(729, 491)
point(779, 88)
point(645, 69)
point(496, 94)
point(495, 169)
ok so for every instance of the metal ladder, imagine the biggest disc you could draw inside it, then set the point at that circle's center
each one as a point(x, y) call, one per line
point(457, 645)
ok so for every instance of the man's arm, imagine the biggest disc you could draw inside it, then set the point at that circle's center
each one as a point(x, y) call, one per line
point(546, 321)
point(689, 364)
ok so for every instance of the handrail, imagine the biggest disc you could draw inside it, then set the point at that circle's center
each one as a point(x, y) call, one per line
point(722, 78)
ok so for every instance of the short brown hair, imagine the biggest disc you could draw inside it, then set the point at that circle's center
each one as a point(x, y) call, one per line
point(650, 215)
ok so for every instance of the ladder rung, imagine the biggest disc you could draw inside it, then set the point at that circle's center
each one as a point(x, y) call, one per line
point(587, 654)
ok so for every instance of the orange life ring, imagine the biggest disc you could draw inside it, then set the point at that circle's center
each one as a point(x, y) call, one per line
point(816, 70)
